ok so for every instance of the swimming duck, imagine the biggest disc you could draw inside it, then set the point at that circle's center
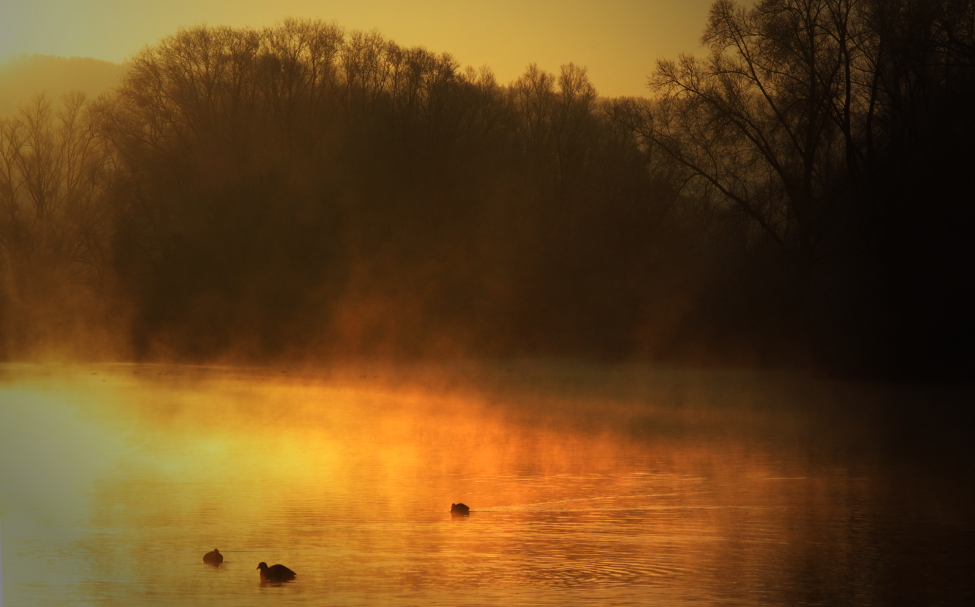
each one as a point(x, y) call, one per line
point(459, 509)
point(213, 558)
point(275, 573)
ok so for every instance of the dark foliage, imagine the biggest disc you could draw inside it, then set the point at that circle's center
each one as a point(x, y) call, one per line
point(303, 192)
point(834, 134)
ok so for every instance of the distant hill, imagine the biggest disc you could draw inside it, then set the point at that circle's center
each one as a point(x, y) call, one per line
point(23, 75)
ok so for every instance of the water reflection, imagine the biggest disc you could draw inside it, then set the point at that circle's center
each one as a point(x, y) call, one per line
point(618, 492)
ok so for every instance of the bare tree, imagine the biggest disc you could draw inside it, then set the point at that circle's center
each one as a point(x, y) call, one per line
point(53, 222)
point(769, 124)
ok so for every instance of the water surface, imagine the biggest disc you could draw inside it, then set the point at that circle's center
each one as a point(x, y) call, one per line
point(609, 485)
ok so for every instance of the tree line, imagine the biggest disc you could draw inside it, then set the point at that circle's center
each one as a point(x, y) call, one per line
point(302, 191)
point(837, 132)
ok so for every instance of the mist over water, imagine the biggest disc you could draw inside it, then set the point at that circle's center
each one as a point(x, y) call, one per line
point(349, 283)
point(608, 484)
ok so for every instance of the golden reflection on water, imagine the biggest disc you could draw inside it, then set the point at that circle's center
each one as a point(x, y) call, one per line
point(117, 480)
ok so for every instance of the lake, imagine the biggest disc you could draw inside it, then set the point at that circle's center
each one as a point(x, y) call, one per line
point(589, 484)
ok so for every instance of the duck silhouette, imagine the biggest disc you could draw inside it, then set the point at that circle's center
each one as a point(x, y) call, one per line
point(460, 509)
point(275, 573)
point(213, 558)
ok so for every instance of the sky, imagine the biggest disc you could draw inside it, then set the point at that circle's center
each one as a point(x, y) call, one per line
point(619, 41)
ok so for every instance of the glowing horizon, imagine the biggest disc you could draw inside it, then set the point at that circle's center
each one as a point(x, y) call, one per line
point(618, 41)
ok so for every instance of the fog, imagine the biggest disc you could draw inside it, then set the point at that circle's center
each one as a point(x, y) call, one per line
point(588, 483)
point(23, 76)
point(303, 194)
point(292, 291)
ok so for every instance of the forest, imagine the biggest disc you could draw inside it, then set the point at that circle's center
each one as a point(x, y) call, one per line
point(798, 196)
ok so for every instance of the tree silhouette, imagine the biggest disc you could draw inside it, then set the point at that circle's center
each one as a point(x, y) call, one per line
point(303, 191)
point(53, 229)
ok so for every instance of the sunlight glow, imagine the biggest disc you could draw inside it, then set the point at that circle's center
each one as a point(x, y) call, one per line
point(619, 40)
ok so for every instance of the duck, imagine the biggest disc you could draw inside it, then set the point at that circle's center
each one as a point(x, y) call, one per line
point(213, 558)
point(275, 573)
point(463, 509)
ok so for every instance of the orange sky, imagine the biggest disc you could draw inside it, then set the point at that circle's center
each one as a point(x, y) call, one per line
point(618, 40)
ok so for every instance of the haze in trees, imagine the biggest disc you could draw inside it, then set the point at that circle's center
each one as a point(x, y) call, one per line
point(301, 192)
